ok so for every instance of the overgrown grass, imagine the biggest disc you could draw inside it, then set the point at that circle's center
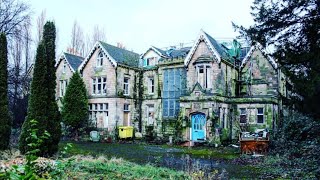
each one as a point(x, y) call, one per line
point(127, 150)
point(101, 168)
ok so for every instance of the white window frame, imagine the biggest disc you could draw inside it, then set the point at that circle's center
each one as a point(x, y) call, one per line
point(126, 107)
point(94, 109)
point(63, 86)
point(206, 68)
point(260, 114)
point(99, 85)
point(99, 62)
point(149, 122)
point(151, 85)
point(126, 89)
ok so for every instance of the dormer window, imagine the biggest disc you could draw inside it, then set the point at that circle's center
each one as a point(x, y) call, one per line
point(204, 76)
point(100, 59)
point(150, 61)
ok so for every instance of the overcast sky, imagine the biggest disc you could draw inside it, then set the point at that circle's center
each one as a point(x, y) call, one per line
point(141, 23)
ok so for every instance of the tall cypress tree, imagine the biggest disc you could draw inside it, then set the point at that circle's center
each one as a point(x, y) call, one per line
point(42, 105)
point(75, 104)
point(54, 118)
point(5, 122)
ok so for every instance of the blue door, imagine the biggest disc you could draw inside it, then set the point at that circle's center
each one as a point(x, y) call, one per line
point(198, 126)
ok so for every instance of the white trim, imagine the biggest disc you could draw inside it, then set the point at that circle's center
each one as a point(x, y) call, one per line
point(258, 46)
point(96, 46)
point(63, 57)
point(202, 36)
point(153, 49)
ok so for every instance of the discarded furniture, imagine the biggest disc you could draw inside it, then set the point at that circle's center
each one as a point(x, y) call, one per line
point(254, 143)
point(94, 136)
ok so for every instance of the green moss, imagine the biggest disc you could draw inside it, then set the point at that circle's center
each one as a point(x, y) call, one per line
point(215, 153)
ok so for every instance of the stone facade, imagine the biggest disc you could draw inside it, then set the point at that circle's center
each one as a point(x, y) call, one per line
point(186, 93)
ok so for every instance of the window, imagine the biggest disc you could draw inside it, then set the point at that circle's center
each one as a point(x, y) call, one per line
point(150, 61)
point(126, 107)
point(150, 114)
point(64, 67)
point(204, 76)
point(224, 125)
point(100, 59)
point(63, 87)
point(174, 86)
point(126, 86)
point(98, 115)
point(260, 118)
point(151, 85)
point(243, 115)
point(99, 86)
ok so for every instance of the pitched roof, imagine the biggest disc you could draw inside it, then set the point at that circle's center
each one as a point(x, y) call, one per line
point(222, 51)
point(120, 55)
point(176, 53)
point(73, 60)
point(170, 53)
point(162, 52)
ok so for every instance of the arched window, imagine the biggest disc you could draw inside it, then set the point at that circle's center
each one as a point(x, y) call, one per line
point(100, 59)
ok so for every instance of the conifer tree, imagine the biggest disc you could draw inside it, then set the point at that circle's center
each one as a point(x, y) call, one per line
point(42, 105)
point(54, 118)
point(5, 122)
point(292, 27)
point(75, 104)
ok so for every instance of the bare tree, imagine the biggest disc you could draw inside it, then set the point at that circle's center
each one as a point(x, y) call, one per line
point(27, 41)
point(15, 72)
point(121, 45)
point(98, 34)
point(13, 14)
point(40, 23)
point(87, 45)
point(77, 40)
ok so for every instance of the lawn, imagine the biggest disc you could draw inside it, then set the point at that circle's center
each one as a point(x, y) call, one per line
point(88, 160)
point(196, 161)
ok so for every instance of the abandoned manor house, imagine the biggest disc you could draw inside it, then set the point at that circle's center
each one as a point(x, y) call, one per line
point(184, 92)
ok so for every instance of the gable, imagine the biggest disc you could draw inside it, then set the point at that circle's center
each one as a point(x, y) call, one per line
point(114, 55)
point(72, 61)
point(258, 67)
point(255, 49)
point(202, 38)
point(153, 51)
point(150, 53)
